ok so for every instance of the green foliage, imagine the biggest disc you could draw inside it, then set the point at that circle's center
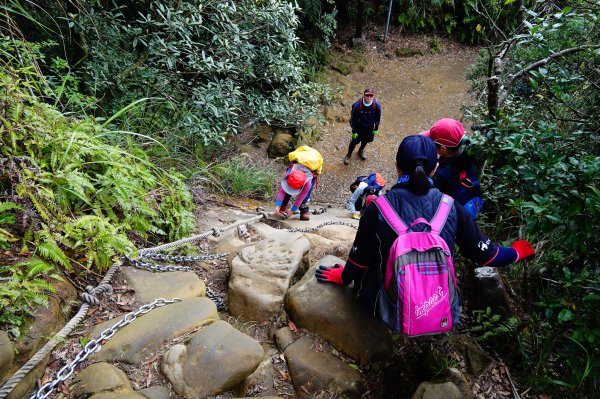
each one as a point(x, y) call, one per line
point(470, 21)
point(424, 16)
point(542, 172)
point(83, 197)
point(211, 64)
point(7, 218)
point(239, 176)
point(23, 287)
point(492, 328)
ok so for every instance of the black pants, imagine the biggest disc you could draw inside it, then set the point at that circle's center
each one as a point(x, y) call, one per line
point(363, 138)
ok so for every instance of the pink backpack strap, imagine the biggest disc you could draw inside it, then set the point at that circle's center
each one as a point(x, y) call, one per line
point(441, 214)
point(390, 215)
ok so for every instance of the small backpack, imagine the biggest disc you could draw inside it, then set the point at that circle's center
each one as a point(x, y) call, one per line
point(419, 295)
point(375, 183)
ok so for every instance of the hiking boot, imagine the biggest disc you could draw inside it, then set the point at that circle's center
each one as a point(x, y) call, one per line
point(362, 155)
point(346, 159)
point(305, 216)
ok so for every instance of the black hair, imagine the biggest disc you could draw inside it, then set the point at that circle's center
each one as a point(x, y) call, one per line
point(419, 181)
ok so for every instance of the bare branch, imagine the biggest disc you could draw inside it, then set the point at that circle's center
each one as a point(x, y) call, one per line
point(512, 77)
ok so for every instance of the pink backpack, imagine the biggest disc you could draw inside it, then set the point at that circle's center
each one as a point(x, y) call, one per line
point(419, 294)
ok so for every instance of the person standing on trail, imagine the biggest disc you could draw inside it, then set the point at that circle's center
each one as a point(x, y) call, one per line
point(364, 121)
point(413, 198)
point(299, 179)
point(455, 174)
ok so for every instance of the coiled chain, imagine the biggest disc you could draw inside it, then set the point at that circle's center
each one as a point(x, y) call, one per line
point(95, 345)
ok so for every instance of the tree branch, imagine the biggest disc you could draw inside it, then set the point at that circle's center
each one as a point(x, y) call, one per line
point(543, 61)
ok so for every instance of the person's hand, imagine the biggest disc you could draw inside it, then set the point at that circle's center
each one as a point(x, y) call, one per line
point(354, 136)
point(330, 274)
point(356, 215)
point(289, 213)
point(375, 132)
point(280, 215)
point(523, 248)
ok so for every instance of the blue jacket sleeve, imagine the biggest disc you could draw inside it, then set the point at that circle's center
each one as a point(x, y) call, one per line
point(476, 246)
point(377, 115)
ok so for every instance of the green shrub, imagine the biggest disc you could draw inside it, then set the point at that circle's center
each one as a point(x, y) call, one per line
point(83, 198)
point(238, 176)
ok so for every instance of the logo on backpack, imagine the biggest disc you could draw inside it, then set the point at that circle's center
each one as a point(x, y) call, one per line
point(419, 295)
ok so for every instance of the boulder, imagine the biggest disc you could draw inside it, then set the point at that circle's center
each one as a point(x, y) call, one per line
point(215, 359)
point(135, 341)
point(149, 286)
point(261, 274)
point(331, 311)
point(100, 377)
point(314, 372)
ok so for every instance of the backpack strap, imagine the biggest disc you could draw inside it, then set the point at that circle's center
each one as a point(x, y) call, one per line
point(441, 214)
point(390, 215)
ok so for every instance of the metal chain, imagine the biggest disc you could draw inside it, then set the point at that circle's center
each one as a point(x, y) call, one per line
point(95, 345)
point(332, 222)
point(181, 258)
point(153, 267)
point(210, 294)
point(219, 302)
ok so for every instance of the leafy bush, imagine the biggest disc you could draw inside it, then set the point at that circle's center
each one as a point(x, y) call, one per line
point(82, 200)
point(542, 172)
point(210, 67)
point(547, 179)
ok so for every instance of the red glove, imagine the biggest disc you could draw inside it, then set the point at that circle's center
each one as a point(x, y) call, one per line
point(333, 274)
point(523, 248)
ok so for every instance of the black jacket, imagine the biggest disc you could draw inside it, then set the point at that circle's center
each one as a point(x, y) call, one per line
point(374, 238)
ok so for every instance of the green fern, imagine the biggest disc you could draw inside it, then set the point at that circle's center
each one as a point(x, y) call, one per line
point(51, 251)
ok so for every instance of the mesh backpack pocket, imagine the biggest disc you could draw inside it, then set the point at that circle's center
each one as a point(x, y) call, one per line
point(419, 289)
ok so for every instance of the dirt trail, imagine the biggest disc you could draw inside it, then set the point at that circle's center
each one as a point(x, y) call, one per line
point(414, 92)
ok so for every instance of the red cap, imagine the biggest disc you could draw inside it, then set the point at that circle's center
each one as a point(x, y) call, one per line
point(447, 132)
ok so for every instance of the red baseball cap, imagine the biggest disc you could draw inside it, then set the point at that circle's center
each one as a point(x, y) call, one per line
point(447, 132)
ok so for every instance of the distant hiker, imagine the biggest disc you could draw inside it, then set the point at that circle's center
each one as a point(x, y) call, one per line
point(299, 179)
point(414, 205)
point(364, 121)
point(364, 190)
point(456, 175)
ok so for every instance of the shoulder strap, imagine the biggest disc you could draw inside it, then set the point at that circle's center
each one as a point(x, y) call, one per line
point(441, 214)
point(390, 215)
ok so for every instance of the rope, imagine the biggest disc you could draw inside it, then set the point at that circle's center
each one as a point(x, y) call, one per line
point(214, 231)
point(61, 335)
point(90, 299)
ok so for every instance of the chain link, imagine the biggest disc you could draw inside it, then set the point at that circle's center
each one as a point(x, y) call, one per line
point(180, 258)
point(210, 294)
point(95, 345)
point(333, 222)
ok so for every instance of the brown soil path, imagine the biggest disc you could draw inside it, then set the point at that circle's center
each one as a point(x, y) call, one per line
point(414, 92)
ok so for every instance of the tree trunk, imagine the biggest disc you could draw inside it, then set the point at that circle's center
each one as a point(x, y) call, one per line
point(360, 16)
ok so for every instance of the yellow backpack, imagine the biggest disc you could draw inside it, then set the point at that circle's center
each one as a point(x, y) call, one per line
point(308, 157)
